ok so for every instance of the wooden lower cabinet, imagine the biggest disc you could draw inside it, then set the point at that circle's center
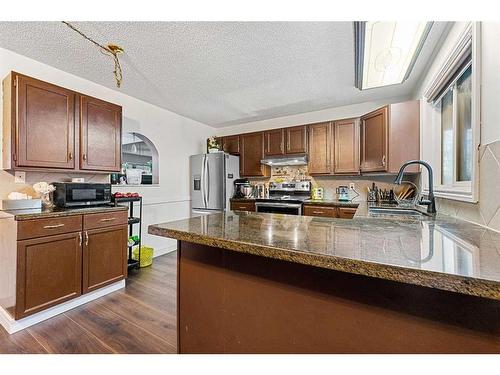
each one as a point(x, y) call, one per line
point(346, 212)
point(242, 206)
point(329, 211)
point(59, 259)
point(49, 272)
point(323, 211)
point(104, 257)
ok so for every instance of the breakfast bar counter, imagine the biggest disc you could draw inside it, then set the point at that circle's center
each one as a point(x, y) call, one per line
point(252, 282)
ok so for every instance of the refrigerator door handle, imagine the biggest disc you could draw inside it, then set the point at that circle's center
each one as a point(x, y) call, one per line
point(208, 182)
point(202, 182)
point(205, 180)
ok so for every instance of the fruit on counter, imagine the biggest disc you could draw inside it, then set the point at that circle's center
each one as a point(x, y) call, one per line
point(126, 195)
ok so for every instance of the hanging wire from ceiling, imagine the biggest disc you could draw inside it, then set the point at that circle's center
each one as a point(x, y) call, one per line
point(112, 50)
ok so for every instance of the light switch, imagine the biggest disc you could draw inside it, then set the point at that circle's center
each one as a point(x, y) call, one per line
point(20, 177)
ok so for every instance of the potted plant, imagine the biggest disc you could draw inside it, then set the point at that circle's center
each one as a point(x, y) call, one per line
point(213, 145)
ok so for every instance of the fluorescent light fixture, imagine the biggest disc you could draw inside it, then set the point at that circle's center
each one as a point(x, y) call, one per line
point(387, 51)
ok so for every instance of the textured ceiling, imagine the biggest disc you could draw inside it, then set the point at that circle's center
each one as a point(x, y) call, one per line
point(219, 73)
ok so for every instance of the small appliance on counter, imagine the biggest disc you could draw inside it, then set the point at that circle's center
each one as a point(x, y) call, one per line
point(343, 193)
point(318, 193)
point(71, 194)
point(242, 188)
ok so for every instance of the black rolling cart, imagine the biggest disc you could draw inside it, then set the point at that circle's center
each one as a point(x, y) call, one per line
point(132, 220)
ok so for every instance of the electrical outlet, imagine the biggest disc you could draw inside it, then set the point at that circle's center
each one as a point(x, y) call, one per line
point(20, 177)
point(352, 186)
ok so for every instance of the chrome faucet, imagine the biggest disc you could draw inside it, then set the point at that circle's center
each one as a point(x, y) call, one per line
point(430, 202)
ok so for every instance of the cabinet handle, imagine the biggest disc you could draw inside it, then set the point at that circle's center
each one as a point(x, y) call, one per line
point(109, 219)
point(80, 237)
point(70, 156)
point(53, 226)
point(318, 212)
point(383, 160)
point(84, 157)
point(86, 238)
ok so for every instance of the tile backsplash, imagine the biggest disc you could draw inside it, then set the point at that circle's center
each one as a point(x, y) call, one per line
point(7, 183)
point(330, 183)
point(487, 211)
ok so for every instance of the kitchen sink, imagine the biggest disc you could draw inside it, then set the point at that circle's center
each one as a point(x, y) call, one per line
point(397, 211)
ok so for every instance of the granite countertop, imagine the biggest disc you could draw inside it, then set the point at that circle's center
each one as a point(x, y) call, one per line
point(36, 213)
point(437, 251)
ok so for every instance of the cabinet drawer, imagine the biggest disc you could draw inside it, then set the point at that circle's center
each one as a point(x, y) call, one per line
point(48, 226)
point(346, 212)
point(320, 211)
point(243, 206)
point(107, 219)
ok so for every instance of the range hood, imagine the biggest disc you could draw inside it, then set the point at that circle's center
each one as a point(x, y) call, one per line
point(280, 161)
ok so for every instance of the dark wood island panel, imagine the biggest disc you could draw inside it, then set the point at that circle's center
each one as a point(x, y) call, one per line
point(230, 302)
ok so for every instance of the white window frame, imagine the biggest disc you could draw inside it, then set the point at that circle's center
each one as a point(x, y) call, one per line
point(467, 191)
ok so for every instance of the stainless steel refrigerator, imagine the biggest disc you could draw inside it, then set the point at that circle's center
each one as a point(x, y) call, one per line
point(212, 181)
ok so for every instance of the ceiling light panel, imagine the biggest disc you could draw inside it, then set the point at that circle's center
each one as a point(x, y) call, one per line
point(389, 51)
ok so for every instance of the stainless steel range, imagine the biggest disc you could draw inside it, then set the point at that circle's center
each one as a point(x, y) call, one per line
point(285, 198)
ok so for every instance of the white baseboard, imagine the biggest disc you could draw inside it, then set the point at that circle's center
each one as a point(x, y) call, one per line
point(165, 250)
point(12, 326)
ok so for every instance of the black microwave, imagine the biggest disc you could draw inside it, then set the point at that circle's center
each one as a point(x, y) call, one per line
point(77, 194)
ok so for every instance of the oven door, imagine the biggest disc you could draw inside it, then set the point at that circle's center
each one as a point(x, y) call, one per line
point(279, 208)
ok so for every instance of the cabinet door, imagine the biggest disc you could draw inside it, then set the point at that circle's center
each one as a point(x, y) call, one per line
point(374, 139)
point(45, 125)
point(322, 211)
point(274, 140)
point(346, 212)
point(101, 135)
point(320, 148)
point(296, 139)
point(104, 257)
point(231, 144)
point(49, 272)
point(252, 152)
point(242, 206)
point(346, 147)
point(404, 135)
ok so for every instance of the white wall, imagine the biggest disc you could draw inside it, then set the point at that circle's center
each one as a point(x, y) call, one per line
point(175, 137)
point(336, 113)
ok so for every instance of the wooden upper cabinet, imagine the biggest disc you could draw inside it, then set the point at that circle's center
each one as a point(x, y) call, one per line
point(296, 139)
point(346, 146)
point(274, 142)
point(404, 135)
point(374, 141)
point(47, 127)
point(44, 133)
point(100, 135)
point(231, 144)
point(320, 148)
point(252, 152)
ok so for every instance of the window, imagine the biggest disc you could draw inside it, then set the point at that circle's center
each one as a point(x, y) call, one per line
point(456, 130)
point(139, 161)
point(452, 141)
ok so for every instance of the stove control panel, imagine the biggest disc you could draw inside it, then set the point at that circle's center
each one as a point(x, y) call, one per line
point(290, 186)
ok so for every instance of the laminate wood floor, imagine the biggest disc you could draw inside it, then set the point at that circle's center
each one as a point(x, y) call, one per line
point(141, 318)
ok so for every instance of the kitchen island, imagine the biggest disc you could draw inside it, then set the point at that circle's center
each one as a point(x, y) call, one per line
point(268, 283)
